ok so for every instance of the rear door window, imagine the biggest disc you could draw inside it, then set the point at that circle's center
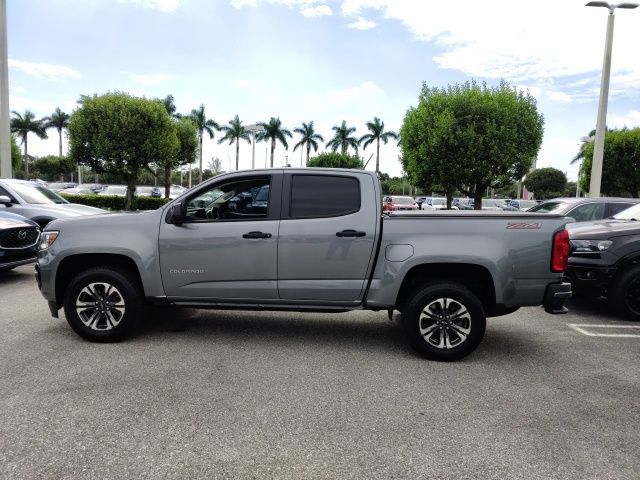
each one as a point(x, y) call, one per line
point(617, 207)
point(587, 212)
point(324, 196)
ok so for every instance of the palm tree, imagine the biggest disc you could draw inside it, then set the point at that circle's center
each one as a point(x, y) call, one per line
point(377, 133)
point(309, 138)
point(273, 131)
point(234, 132)
point(22, 126)
point(58, 120)
point(343, 139)
point(203, 125)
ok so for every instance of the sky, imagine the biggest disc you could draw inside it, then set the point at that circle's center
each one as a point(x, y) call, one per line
point(323, 61)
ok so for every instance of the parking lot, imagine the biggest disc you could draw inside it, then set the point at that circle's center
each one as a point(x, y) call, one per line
point(271, 395)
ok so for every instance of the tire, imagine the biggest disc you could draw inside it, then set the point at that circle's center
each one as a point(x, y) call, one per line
point(444, 321)
point(624, 293)
point(102, 304)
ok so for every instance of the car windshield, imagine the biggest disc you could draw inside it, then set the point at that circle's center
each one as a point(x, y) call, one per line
point(549, 207)
point(36, 194)
point(402, 200)
point(631, 213)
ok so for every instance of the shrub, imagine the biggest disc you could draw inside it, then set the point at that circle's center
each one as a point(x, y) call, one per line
point(115, 202)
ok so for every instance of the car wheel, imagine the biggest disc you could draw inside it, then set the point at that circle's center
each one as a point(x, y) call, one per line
point(101, 304)
point(624, 294)
point(444, 321)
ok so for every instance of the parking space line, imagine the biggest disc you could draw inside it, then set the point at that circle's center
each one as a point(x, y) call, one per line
point(580, 327)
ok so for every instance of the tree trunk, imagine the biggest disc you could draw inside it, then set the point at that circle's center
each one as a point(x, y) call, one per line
point(200, 176)
point(237, 152)
point(26, 158)
point(477, 198)
point(449, 200)
point(273, 148)
point(167, 180)
point(378, 156)
point(60, 142)
point(308, 151)
point(131, 190)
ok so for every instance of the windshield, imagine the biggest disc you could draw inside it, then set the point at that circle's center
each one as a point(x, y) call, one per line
point(549, 207)
point(36, 194)
point(631, 213)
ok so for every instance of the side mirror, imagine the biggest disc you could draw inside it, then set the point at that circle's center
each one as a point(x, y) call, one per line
point(177, 213)
point(4, 200)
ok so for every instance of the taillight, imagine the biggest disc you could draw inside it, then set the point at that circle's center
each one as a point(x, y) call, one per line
point(560, 251)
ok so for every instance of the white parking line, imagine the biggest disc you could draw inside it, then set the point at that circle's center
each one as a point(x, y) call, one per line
point(580, 327)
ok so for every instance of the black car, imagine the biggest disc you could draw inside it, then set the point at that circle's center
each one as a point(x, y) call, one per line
point(585, 209)
point(18, 240)
point(605, 261)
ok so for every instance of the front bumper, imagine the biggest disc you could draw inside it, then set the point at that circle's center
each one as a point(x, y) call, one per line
point(555, 296)
point(16, 263)
point(590, 280)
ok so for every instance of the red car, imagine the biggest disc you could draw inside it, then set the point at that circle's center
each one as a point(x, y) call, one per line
point(394, 203)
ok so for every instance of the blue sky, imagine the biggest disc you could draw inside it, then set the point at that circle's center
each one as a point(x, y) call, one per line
point(320, 60)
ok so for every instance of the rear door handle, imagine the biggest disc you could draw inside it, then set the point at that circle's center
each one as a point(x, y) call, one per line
point(256, 235)
point(350, 233)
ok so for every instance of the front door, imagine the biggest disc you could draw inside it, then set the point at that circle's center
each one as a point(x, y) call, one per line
point(226, 249)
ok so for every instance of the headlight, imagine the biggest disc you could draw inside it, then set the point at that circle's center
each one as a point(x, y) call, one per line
point(590, 246)
point(47, 239)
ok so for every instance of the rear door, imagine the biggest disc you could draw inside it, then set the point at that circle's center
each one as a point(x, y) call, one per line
point(226, 249)
point(327, 233)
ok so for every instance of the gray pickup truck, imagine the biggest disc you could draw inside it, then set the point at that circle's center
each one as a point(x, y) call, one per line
point(305, 240)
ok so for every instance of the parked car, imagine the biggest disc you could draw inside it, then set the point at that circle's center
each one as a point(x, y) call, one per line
point(38, 203)
point(420, 201)
point(18, 240)
point(585, 209)
point(604, 260)
point(141, 191)
point(59, 186)
point(320, 245)
point(118, 190)
point(393, 203)
point(147, 191)
point(463, 203)
point(520, 205)
point(79, 190)
point(439, 203)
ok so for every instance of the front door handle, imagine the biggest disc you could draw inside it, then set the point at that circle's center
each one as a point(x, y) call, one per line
point(350, 233)
point(256, 235)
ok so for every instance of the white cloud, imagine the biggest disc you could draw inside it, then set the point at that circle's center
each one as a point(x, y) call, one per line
point(558, 96)
point(241, 83)
point(162, 5)
point(44, 70)
point(151, 79)
point(244, 3)
point(20, 103)
point(364, 90)
point(362, 24)
point(316, 11)
point(630, 120)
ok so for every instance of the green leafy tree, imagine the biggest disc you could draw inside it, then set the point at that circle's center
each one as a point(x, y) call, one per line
point(53, 167)
point(234, 132)
point(377, 133)
point(309, 138)
point(60, 121)
point(273, 131)
point(471, 137)
point(203, 124)
point(546, 182)
point(187, 136)
point(336, 160)
point(16, 155)
point(342, 138)
point(22, 126)
point(120, 134)
point(621, 164)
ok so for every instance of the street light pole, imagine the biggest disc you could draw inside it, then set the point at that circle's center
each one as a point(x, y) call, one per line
point(598, 149)
point(253, 128)
point(5, 135)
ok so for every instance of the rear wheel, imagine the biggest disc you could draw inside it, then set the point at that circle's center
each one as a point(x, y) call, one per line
point(102, 304)
point(624, 294)
point(444, 321)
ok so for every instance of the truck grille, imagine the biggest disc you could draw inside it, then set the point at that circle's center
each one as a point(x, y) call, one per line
point(14, 238)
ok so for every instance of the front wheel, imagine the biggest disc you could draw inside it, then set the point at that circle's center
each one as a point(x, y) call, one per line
point(102, 304)
point(624, 294)
point(444, 321)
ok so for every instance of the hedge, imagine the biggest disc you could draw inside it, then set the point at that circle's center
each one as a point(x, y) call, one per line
point(115, 202)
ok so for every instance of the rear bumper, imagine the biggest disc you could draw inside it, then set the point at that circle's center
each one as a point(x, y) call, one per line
point(555, 296)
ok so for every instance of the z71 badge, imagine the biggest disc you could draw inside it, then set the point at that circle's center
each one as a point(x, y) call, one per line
point(524, 226)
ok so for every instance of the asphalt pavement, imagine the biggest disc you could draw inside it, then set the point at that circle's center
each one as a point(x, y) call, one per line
point(243, 395)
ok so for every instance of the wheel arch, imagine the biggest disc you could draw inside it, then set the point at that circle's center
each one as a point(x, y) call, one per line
point(70, 266)
point(476, 278)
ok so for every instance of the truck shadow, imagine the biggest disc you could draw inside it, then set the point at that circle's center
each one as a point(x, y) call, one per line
point(20, 274)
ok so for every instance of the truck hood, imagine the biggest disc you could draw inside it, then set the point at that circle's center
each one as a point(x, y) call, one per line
point(68, 210)
point(603, 229)
point(102, 220)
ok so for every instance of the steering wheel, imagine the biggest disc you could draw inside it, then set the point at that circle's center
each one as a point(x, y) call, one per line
point(213, 213)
